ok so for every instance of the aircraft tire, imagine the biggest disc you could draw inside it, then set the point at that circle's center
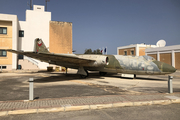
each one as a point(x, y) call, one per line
point(102, 73)
point(85, 76)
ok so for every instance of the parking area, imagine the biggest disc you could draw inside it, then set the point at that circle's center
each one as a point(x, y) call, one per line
point(15, 86)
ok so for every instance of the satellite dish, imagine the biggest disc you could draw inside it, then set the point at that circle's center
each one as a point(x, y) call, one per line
point(161, 43)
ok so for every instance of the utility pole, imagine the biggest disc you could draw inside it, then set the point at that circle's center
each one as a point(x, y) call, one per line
point(46, 4)
point(30, 5)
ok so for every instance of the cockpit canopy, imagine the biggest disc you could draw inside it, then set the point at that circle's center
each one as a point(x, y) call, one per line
point(148, 58)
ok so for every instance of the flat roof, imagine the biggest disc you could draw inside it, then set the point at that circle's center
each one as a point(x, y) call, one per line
point(166, 48)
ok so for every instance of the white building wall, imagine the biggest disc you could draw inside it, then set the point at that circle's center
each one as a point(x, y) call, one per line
point(137, 50)
point(167, 49)
point(137, 46)
point(35, 26)
point(22, 26)
point(15, 41)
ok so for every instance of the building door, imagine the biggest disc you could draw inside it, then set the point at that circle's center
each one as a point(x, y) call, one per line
point(166, 58)
point(153, 55)
point(177, 60)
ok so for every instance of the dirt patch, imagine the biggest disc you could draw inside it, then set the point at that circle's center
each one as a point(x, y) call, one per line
point(113, 89)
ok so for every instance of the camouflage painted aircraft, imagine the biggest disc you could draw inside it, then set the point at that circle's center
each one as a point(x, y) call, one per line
point(137, 65)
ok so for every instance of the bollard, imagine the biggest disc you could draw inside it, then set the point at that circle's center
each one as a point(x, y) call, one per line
point(170, 86)
point(31, 89)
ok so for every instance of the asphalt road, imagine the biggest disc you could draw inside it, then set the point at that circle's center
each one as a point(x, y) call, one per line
point(154, 112)
point(15, 86)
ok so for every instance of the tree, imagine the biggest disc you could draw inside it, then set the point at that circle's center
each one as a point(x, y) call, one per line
point(99, 51)
point(89, 51)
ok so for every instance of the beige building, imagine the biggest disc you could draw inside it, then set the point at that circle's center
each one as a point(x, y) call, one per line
point(167, 54)
point(60, 39)
point(8, 40)
point(20, 35)
point(134, 49)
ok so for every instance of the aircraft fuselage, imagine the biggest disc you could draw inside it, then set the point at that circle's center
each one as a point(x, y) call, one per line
point(140, 65)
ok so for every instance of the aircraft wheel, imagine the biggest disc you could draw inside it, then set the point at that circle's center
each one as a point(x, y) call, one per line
point(87, 73)
point(102, 73)
point(84, 76)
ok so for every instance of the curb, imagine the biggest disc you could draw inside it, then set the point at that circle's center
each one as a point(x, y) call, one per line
point(90, 107)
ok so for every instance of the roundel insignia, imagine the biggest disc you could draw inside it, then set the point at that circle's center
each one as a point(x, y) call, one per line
point(39, 43)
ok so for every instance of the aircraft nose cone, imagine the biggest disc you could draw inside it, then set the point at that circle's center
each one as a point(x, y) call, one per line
point(164, 67)
point(168, 68)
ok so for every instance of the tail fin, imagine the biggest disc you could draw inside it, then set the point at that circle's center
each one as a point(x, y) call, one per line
point(40, 46)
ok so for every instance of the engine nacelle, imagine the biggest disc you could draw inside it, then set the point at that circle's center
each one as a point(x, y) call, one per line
point(100, 61)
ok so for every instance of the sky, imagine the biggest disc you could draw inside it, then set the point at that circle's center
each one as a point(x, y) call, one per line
point(110, 23)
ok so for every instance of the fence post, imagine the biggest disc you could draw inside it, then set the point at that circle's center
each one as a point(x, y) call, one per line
point(31, 89)
point(170, 86)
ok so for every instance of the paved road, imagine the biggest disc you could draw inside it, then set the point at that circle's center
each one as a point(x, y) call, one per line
point(154, 112)
point(15, 86)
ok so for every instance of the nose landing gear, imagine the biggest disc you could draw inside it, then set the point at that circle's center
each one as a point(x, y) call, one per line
point(102, 73)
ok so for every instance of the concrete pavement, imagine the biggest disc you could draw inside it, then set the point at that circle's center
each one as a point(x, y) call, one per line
point(176, 74)
point(82, 103)
point(86, 102)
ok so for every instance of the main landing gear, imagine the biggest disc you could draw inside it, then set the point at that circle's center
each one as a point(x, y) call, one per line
point(82, 72)
point(85, 76)
point(102, 73)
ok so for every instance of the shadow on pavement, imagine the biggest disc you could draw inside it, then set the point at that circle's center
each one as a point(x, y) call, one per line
point(94, 75)
point(66, 77)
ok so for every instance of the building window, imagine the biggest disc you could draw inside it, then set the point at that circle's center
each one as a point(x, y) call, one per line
point(3, 30)
point(3, 53)
point(21, 56)
point(132, 52)
point(125, 52)
point(3, 67)
point(21, 33)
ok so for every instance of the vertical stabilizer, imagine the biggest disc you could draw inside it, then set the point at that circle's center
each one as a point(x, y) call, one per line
point(40, 46)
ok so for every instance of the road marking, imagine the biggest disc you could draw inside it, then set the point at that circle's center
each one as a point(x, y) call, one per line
point(107, 115)
point(172, 97)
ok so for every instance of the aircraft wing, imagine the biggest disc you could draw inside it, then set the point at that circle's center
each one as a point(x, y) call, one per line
point(51, 57)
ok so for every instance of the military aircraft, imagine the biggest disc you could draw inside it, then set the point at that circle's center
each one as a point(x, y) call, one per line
point(137, 65)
